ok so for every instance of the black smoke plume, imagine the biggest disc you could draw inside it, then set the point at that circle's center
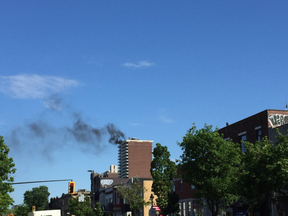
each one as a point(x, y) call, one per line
point(42, 136)
point(116, 136)
point(85, 133)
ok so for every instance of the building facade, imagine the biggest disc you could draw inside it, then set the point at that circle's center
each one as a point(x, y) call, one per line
point(187, 203)
point(114, 204)
point(62, 202)
point(134, 157)
point(254, 128)
point(106, 179)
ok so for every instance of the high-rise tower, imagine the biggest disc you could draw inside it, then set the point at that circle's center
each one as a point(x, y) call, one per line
point(135, 158)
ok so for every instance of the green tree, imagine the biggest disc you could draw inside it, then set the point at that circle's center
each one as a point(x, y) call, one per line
point(98, 210)
point(37, 197)
point(265, 172)
point(211, 164)
point(173, 205)
point(80, 208)
point(8, 212)
point(21, 210)
point(163, 171)
point(133, 194)
point(6, 169)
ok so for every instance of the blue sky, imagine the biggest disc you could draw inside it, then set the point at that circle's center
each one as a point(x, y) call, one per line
point(148, 69)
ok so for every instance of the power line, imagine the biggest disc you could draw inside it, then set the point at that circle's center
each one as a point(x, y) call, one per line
point(40, 181)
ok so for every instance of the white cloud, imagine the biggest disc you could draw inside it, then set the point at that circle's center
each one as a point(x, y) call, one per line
point(139, 65)
point(33, 86)
point(166, 119)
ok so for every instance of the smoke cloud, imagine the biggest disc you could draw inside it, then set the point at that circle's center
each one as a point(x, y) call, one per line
point(45, 138)
point(53, 102)
point(85, 133)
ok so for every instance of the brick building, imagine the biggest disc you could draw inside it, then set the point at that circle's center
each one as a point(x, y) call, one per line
point(135, 158)
point(113, 203)
point(254, 128)
point(187, 203)
point(250, 129)
point(104, 180)
point(62, 202)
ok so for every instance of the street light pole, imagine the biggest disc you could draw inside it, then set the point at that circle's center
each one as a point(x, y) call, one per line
point(152, 198)
point(93, 189)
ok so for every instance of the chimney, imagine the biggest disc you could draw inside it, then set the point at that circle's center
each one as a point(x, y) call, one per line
point(113, 169)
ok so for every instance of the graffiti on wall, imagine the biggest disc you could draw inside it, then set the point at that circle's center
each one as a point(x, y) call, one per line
point(277, 120)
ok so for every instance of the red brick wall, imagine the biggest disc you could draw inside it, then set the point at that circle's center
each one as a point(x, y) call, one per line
point(139, 159)
point(186, 191)
point(249, 124)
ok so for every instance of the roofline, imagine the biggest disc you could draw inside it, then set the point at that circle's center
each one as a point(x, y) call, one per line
point(140, 141)
point(267, 110)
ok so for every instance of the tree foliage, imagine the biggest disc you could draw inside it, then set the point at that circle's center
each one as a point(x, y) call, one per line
point(21, 210)
point(172, 205)
point(265, 172)
point(98, 210)
point(6, 169)
point(133, 194)
point(80, 208)
point(211, 164)
point(37, 197)
point(163, 171)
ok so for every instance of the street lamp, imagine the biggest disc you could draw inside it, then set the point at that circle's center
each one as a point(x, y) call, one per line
point(151, 198)
point(93, 192)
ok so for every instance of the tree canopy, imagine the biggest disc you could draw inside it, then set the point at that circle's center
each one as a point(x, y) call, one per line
point(98, 210)
point(133, 194)
point(37, 197)
point(265, 172)
point(172, 205)
point(21, 210)
point(163, 171)
point(6, 169)
point(80, 208)
point(211, 164)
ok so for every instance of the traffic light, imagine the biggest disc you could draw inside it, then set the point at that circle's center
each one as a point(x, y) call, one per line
point(33, 208)
point(71, 188)
point(11, 214)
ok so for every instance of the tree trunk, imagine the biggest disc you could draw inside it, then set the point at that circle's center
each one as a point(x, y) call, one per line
point(217, 209)
point(277, 202)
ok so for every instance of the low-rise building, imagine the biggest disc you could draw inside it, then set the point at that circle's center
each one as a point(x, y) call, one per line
point(252, 129)
point(188, 205)
point(62, 202)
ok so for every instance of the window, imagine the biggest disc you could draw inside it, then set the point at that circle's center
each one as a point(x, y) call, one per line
point(181, 185)
point(173, 186)
point(189, 208)
point(258, 135)
point(243, 138)
point(184, 208)
point(117, 198)
point(192, 187)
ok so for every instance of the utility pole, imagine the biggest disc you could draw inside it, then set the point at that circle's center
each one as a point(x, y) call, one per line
point(93, 189)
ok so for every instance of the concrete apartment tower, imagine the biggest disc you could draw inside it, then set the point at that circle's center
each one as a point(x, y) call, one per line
point(135, 158)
